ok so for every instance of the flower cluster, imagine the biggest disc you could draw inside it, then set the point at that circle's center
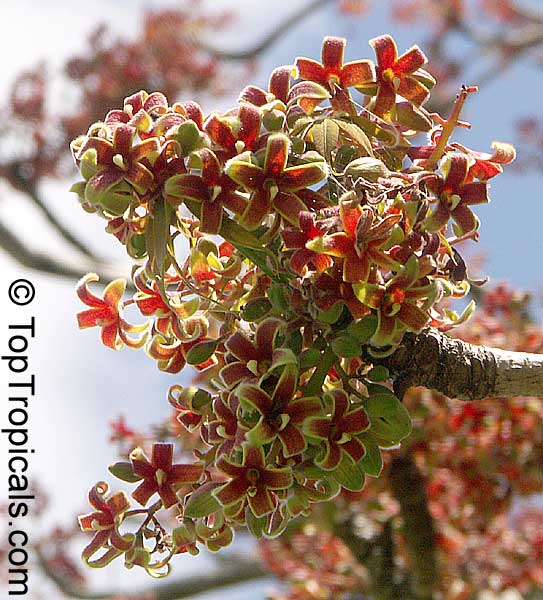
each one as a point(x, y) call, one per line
point(319, 231)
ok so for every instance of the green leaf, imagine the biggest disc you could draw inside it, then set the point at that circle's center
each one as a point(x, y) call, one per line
point(258, 258)
point(363, 329)
point(314, 385)
point(345, 346)
point(368, 168)
point(388, 416)
point(309, 358)
point(188, 136)
point(202, 503)
point(352, 134)
point(201, 352)
point(325, 137)
point(237, 235)
point(256, 309)
point(256, 525)
point(350, 475)
point(124, 472)
point(278, 296)
point(158, 236)
point(331, 315)
point(344, 156)
point(378, 373)
point(413, 117)
point(372, 462)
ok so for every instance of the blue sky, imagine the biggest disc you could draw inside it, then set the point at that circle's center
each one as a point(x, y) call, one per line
point(81, 384)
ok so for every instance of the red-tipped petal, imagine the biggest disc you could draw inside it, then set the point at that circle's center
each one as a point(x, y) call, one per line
point(162, 456)
point(253, 95)
point(211, 217)
point(122, 139)
point(302, 176)
point(356, 269)
point(241, 347)
point(144, 491)
point(265, 335)
point(233, 373)
point(311, 69)
point(331, 458)
point(285, 387)
point(276, 479)
point(110, 336)
point(409, 61)
point(354, 448)
point(279, 83)
point(474, 193)
point(220, 132)
point(385, 100)
point(246, 174)
point(465, 218)
point(455, 168)
point(355, 421)
point(359, 72)
point(412, 316)
point(276, 155)
point(255, 397)
point(261, 503)
point(289, 206)
point(249, 124)
point(180, 474)
point(292, 440)
point(333, 49)
point(232, 492)
point(413, 90)
point(186, 186)
point(258, 207)
point(385, 49)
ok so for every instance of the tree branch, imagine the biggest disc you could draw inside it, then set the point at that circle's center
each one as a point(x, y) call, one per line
point(288, 23)
point(461, 370)
point(12, 173)
point(38, 261)
point(238, 571)
point(409, 489)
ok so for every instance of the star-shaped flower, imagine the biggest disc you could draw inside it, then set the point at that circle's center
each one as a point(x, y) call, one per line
point(160, 475)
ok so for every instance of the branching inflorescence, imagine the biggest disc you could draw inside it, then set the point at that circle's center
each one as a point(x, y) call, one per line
point(319, 230)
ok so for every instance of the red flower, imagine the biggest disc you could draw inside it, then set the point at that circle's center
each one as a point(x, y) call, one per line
point(224, 430)
point(253, 481)
point(119, 430)
point(397, 303)
point(360, 242)
point(160, 475)
point(138, 110)
point(278, 86)
point(212, 189)
point(117, 160)
point(297, 238)
point(484, 166)
point(106, 313)
point(334, 75)
point(273, 185)
point(339, 430)
point(399, 75)
point(250, 360)
point(282, 413)
point(233, 136)
point(150, 302)
point(105, 521)
point(455, 193)
point(331, 289)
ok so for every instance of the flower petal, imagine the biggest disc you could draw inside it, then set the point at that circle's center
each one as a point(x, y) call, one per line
point(359, 72)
